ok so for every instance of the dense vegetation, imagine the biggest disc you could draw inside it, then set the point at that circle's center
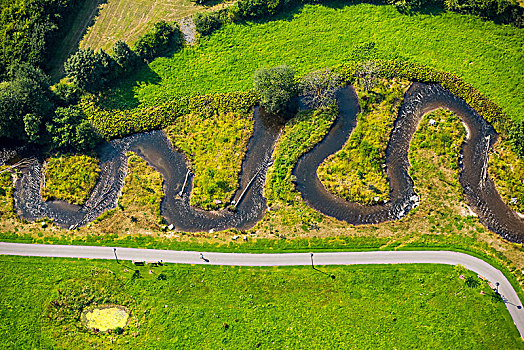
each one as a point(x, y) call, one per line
point(6, 193)
point(70, 178)
point(435, 151)
point(277, 88)
point(28, 28)
point(405, 306)
point(113, 123)
point(356, 172)
point(300, 135)
point(215, 146)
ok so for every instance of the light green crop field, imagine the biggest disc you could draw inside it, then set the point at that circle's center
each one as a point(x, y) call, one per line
point(487, 55)
point(179, 306)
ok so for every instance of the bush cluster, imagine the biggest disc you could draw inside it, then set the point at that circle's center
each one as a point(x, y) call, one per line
point(277, 87)
point(158, 40)
point(504, 11)
point(207, 22)
point(118, 123)
point(92, 71)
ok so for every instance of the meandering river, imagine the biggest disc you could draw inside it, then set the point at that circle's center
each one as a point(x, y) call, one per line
point(157, 150)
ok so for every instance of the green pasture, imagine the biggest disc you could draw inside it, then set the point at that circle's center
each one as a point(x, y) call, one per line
point(487, 55)
point(178, 306)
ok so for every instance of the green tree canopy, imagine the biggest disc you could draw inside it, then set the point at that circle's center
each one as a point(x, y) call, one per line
point(126, 58)
point(70, 130)
point(25, 92)
point(277, 86)
point(85, 70)
point(158, 40)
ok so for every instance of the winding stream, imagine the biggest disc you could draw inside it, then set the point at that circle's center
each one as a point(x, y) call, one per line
point(158, 151)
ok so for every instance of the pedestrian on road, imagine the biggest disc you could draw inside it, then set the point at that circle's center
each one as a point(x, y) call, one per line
point(201, 256)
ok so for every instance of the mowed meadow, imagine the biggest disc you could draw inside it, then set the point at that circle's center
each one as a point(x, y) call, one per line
point(223, 307)
point(487, 55)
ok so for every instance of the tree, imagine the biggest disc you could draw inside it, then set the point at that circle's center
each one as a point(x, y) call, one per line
point(319, 87)
point(25, 92)
point(158, 40)
point(69, 129)
point(33, 127)
point(86, 137)
point(85, 70)
point(109, 66)
point(278, 88)
point(126, 58)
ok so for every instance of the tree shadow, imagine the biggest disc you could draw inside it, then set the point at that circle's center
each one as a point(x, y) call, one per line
point(121, 95)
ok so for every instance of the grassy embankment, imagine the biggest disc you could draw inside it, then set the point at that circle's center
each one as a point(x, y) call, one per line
point(356, 172)
point(70, 178)
point(215, 147)
point(317, 36)
point(379, 306)
point(127, 20)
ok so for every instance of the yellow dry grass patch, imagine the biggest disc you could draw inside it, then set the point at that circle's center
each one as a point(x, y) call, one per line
point(106, 318)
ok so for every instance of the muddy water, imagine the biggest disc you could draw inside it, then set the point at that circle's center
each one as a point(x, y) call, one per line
point(479, 189)
point(156, 149)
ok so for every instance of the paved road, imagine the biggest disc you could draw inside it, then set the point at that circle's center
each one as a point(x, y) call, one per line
point(479, 266)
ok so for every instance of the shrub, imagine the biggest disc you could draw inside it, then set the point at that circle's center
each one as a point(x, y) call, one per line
point(126, 58)
point(277, 87)
point(84, 68)
point(318, 88)
point(250, 9)
point(119, 123)
point(158, 40)
point(66, 94)
point(516, 138)
point(207, 22)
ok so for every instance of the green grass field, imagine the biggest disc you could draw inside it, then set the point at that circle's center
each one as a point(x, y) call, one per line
point(380, 307)
point(488, 56)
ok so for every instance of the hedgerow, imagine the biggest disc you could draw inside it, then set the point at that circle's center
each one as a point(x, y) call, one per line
point(118, 123)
